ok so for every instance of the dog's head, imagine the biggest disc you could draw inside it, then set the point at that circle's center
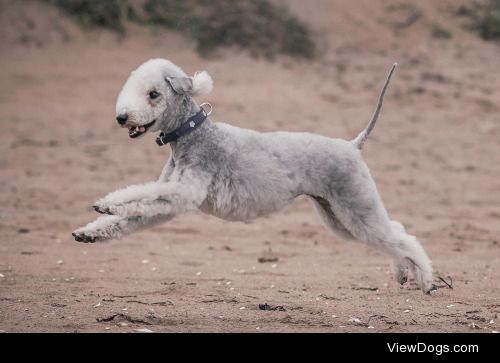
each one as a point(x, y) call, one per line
point(154, 93)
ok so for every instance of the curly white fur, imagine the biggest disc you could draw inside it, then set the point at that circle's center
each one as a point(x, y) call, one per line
point(202, 84)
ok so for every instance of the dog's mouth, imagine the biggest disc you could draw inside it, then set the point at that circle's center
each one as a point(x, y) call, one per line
point(136, 131)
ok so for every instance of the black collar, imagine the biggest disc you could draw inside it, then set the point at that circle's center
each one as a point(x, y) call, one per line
point(189, 125)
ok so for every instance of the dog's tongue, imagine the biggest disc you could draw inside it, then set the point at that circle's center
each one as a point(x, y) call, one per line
point(137, 129)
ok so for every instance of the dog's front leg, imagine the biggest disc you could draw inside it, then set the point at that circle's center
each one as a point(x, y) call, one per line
point(170, 198)
point(109, 227)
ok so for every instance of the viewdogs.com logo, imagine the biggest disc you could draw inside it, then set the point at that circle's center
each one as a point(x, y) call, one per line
point(437, 349)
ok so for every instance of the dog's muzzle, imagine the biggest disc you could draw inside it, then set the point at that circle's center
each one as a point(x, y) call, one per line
point(136, 131)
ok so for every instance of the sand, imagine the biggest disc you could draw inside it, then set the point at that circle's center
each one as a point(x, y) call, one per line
point(434, 155)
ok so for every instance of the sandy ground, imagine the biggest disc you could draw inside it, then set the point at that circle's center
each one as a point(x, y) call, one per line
point(434, 155)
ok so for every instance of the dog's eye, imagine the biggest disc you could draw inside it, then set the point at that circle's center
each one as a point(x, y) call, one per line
point(153, 95)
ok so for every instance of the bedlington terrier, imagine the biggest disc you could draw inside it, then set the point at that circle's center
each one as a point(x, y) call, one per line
point(238, 174)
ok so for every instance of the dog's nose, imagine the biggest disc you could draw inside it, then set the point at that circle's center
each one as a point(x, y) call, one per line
point(122, 118)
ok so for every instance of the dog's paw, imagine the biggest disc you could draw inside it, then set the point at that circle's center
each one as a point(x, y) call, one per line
point(85, 238)
point(400, 273)
point(102, 210)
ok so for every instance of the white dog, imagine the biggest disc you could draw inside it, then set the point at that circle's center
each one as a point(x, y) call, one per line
point(239, 174)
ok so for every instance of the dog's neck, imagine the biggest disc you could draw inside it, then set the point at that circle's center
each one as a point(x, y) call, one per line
point(176, 116)
point(186, 110)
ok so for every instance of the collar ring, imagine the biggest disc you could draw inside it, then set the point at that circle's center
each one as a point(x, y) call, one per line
point(209, 105)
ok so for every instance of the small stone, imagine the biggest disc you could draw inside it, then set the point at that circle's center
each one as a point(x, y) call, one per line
point(60, 262)
point(145, 261)
point(144, 330)
point(264, 306)
point(242, 308)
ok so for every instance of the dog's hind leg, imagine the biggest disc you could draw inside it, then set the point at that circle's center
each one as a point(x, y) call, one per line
point(356, 207)
point(372, 226)
point(323, 207)
point(328, 218)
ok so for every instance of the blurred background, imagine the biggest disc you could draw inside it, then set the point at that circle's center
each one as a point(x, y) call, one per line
point(314, 66)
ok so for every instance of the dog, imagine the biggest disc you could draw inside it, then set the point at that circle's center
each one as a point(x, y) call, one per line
point(239, 174)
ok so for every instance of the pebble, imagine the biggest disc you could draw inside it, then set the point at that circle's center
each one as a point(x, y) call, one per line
point(144, 330)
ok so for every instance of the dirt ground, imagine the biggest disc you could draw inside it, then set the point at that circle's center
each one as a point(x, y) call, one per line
point(435, 155)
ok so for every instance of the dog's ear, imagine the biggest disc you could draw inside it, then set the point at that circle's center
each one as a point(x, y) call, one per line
point(181, 85)
point(198, 85)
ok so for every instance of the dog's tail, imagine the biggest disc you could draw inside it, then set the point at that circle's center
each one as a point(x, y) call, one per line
point(363, 136)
